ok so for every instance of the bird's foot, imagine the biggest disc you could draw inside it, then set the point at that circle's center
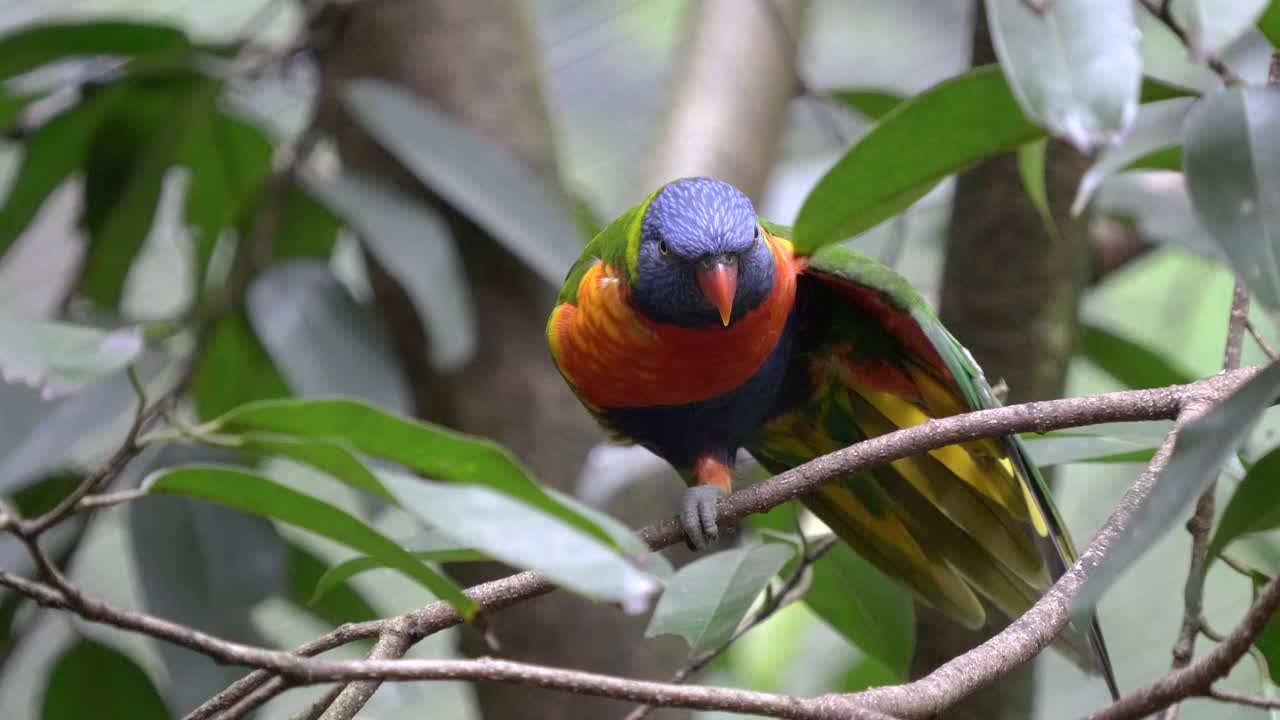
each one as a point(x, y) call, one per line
point(698, 517)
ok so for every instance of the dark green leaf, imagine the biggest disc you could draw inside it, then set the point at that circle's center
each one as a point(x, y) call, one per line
point(1154, 90)
point(11, 107)
point(926, 138)
point(1254, 506)
point(874, 613)
point(510, 530)
point(328, 456)
point(1031, 158)
point(1211, 25)
point(257, 495)
point(1231, 158)
point(34, 45)
point(60, 358)
point(434, 451)
point(414, 245)
point(235, 369)
point(1133, 364)
point(1269, 24)
point(706, 600)
point(1074, 68)
point(308, 228)
point(1203, 445)
point(342, 604)
point(873, 104)
point(204, 566)
point(1156, 129)
point(131, 152)
point(429, 547)
point(90, 678)
point(49, 156)
point(323, 341)
point(494, 189)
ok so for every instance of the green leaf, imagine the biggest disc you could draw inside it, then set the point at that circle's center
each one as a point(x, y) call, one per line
point(235, 369)
point(1154, 90)
point(132, 150)
point(1269, 640)
point(498, 192)
point(11, 107)
point(429, 547)
point(1031, 158)
point(322, 340)
point(706, 600)
point(873, 612)
point(1074, 68)
point(259, 496)
point(328, 456)
point(1132, 363)
point(50, 155)
point(1203, 445)
point(873, 104)
point(510, 530)
point(434, 451)
point(190, 563)
point(34, 45)
point(414, 245)
point(1211, 25)
point(923, 140)
point(1254, 506)
point(1269, 24)
point(341, 604)
point(90, 675)
point(1063, 448)
point(1156, 129)
point(308, 228)
point(1231, 158)
point(60, 358)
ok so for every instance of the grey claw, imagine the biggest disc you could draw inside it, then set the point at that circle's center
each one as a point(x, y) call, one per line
point(698, 517)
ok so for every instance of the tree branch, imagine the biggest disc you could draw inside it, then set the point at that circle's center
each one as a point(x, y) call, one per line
point(393, 643)
point(1201, 522)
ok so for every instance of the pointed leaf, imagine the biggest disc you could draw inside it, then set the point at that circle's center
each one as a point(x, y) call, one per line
point(1031, 159)
point(341, 604)
point(706, 600)
point(434, 451)
point(875, 614)
point(328, 456)
point(524, 536)
point(873, 104)
point(34, 45)
point(1133, 364)
point(431, 546)
point(495, 190)
point(60, 358)
point(1211, 25)
point(50, 155)
point(1254, 506)
point(415, 247)
point(923, 140)
point(1231, 157)
point(1203, 445)
point(1157, 127)
point(235, 369)
point(323, 341)
point(133, 148)
point(259, 496)
point(1074, 68)
point(1269, 24)
point(92, 675)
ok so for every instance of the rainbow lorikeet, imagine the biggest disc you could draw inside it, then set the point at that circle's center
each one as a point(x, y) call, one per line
point(690, 327)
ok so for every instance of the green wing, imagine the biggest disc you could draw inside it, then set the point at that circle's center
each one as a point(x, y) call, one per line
point(955, 524)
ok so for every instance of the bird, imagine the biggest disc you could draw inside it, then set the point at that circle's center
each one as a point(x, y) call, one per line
point(691, 326)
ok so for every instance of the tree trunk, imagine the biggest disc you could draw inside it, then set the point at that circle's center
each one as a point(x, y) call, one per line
point(476, 60)
point(1009, 293)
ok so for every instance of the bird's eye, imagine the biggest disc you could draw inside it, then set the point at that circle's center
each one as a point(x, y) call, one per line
point(757, 233)
point(662, 247)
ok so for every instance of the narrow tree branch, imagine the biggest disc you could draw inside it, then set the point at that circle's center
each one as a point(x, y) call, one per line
point(1162, 403)
point(319, 706)
point(1201, 522)
point(1163, 13)
point(1198, 678)
point(1239, 698)
point(393, 643)
point(1269, 351)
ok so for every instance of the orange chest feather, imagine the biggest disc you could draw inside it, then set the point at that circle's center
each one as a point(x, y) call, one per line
point(617, 358)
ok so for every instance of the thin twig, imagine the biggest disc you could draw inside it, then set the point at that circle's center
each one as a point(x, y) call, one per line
point(1164, 14)
point(393, 643)
point(1269, 351)
point(1239, 698)
point(1201, 522)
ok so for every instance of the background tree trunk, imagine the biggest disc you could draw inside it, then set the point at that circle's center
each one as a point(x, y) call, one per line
point(1010, 292)
point(477, 61)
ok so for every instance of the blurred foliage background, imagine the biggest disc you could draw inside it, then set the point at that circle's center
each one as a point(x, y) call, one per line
point(609, 73)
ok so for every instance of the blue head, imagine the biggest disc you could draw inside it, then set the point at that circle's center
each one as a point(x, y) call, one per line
point(703, 259)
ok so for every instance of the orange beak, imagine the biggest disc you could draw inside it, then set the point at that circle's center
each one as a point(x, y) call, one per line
point(718, 279)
